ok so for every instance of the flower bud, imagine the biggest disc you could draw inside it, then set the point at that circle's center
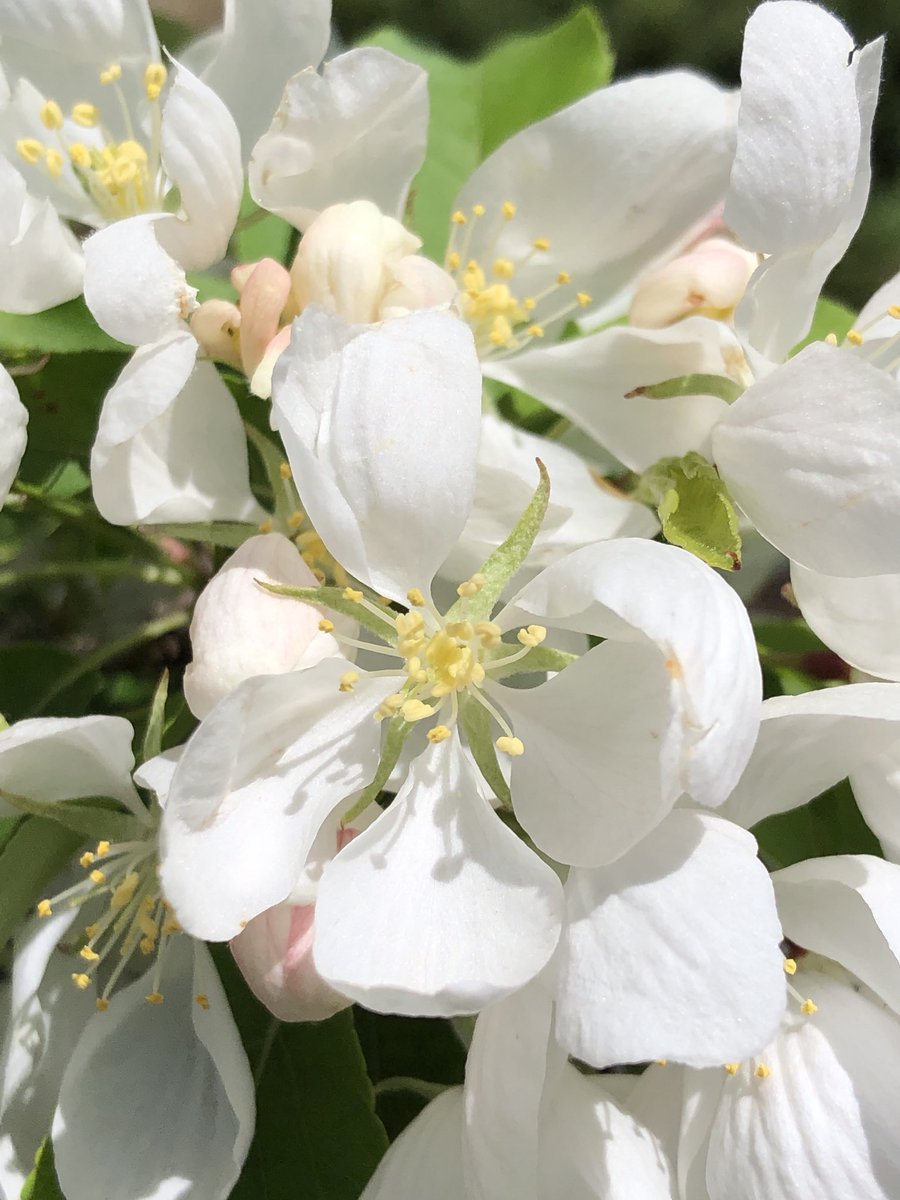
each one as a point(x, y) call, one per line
point(710, 280)
point(240, 630)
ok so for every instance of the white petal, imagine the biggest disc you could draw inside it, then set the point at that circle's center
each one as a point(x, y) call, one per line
point(135, 290)
point(808, 743)
point(425, 1160)
point(170, 444)
point(673, 951)
point(642, 161)
point(816, 476)
point(13, 435)
point(874, 315)
point(858, 618)
point(822, 1123)
point(589, 380)
point(846, 908)
point(876, 788)
point(239, 629)
point(187, 1124)
point(201, 151)
point(357, 131)
point(350, 403)
point(254, 784)
point(66, 758)
point(437, 908)
point(642, 592)
point(259, 49)
point(41, 263)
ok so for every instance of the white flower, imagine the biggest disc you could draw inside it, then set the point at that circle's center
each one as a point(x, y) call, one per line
point(81, 1033)
point(13, 436)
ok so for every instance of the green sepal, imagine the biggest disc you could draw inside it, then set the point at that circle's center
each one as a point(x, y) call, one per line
point(538, 659)
point(500, 566)
point(87, 817)
point(151, 743)
point(42, 1183)
point(230, 534)
point(398, 731)
point(333, 598)
point(283, 492)
point(695, 509)
point(690, 385)
point(476, 721)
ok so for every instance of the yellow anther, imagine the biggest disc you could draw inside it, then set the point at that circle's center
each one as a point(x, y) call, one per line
point(349, 680)
point(459, 218)
point(532, 635)
point(285, 470)
point(471, 586)
point(536, 331)
point(762, 1071)
point(415, 710)
point(464, 630)
point(88, 954)
point(662, 1062)
point(92, 930)
point(503, 268)
point(44, 909)
point(148, 904)
point(87, 859)
point(154, 998)
point(438, 733)
point(155, 80)
point(86, 115)
point(512, 746)
point(501, 332)
point(102, 1004)
point(390, 705)
point(171, 926)
point(529, 304)
point(732, 1068)
point(147, 945)
point(583, 298)
point(808, 1007)
point(97, 876)
point(415, 597)
point(51, 115)
point(478, 210)
point(541, 244)
point(111, 74)
point(265, 526)
point(55, 163)
point(790, 966)
point(81, 981)
point(30, 149)
point(894, 311)
point(102, 850)
point(488, 633)
point(831, 339)
point(509, 210)
point(295, 520)
point(80, 155)
point(563, 277)
point(147, 925)
point(353, 594)
point(326, 626)
point(124, 893)
point(855, 338)
point(203, 1000)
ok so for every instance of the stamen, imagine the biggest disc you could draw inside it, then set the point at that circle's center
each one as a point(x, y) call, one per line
point(508, 210)
point(265, 526)
point(512, 746)
point(349, 680)
point(471, 586)
point(111, 74)
point(155, 998)
point(415, 597)
point(855, 338)
point(295, 520)
point(831, 339)
point(30, 149)
point(203, 1000)
point(51, 115)
point(155, 78)
point(762, 1071)
point(82, 982)
point(326, 626)
point(732, 1068)
point(353, 594)
point(285, 471)
point(532, 635)
point(86, 115)
point(44, 909)
point(790, 966)
point(438, 733)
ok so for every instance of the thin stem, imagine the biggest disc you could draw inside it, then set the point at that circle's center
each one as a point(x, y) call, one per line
point(99, 568)
point(408, 1083)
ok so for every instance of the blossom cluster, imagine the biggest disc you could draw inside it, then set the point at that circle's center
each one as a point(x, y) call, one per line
point(477, 727)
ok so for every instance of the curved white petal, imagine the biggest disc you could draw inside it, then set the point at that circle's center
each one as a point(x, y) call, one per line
point(239, 629)
point(847, 908)
point(646, 593)
point(357, 131)
point(589, 380)
point(259, 49)
point(13, 433)
point(186, 1127)
point(611, 181)
point(672, 952)
point(815, 474)
point(874, 316)
point(425, 1160)
point(170, 444)
point(437, 908)
point(807, 743)
point(134, 288)
point(66, 758)
point(41, 263)
point(201, 151)
point(859, 618)
point(254, 784)
point(876, 788)
point(822, 1124)
point(381, 427)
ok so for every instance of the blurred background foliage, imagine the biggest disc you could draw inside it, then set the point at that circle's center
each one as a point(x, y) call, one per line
point(649, 35)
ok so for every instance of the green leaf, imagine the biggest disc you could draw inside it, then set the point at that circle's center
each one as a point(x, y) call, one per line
point(830, 824)
point(317, 1134)
point(695, 509)
point(151, 743)
point(830, 317)
point(90, 816)
point(67, 329)
point(42, 1183)
point(261, 234)
point(218, 533)
point(28, 671)
point(33, 856)
point(792, 636)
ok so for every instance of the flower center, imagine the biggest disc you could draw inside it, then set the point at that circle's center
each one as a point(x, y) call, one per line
point(120, 175)
point(502, 319)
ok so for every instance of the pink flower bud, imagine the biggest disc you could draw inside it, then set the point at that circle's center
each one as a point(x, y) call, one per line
point(710, 279)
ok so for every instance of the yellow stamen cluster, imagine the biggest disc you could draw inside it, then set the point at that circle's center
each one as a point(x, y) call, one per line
point(316, 556)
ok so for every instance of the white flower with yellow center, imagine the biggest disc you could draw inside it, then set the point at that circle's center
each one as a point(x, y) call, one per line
point(599, 753)
point(108, 998)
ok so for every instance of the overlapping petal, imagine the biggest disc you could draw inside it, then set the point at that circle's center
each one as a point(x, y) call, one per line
point(13, 432)
point(425, 1160)
point(859, 618)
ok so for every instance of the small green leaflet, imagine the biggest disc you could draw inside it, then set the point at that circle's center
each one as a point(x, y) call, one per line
point(695, 509)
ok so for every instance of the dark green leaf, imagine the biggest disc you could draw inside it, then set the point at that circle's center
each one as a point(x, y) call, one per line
point(67, 329)
point(42, 1183)
point(831, 317)
point(33, 856)
point(830, 824)
point(28, 671)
